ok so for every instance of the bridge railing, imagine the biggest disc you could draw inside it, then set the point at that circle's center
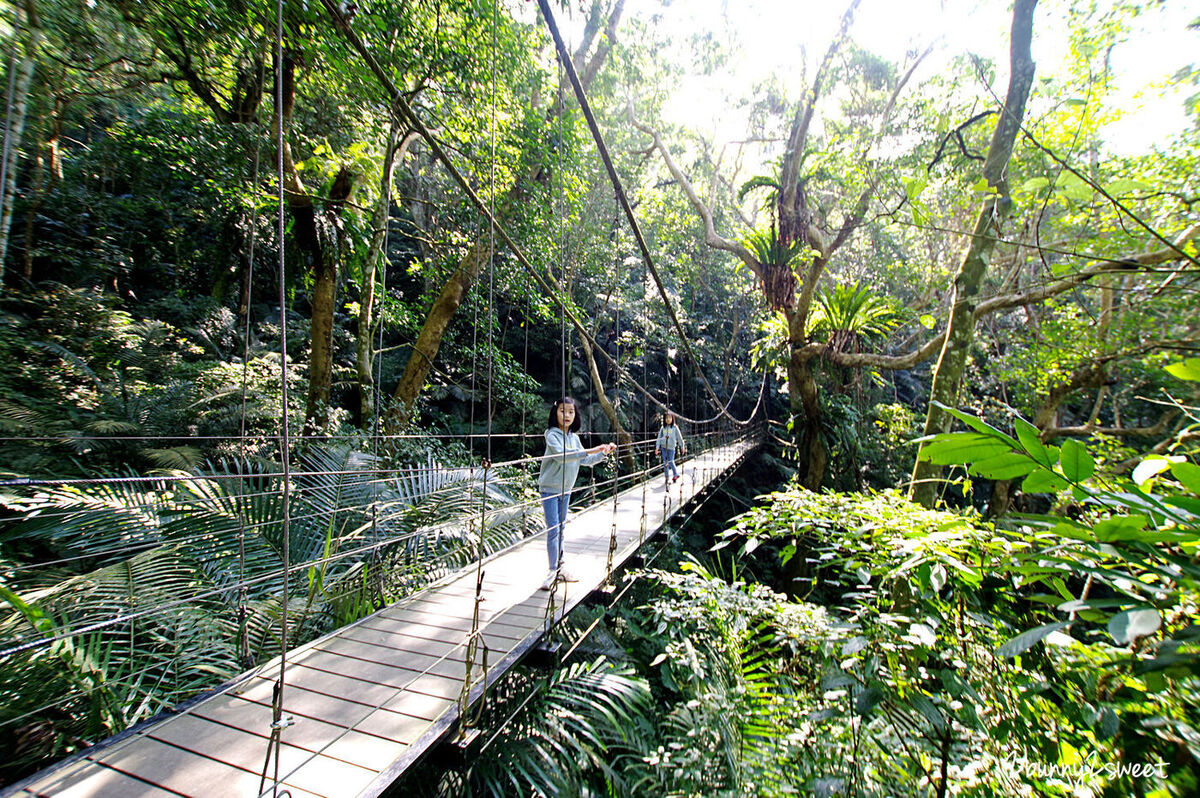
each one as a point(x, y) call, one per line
point(121, 597)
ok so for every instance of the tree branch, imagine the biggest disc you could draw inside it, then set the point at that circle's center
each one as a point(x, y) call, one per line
point(1084, 430)
point(1130, 264)
point(710, 233)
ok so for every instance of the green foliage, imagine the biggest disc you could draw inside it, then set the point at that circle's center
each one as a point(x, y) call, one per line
point(728, 662)
point(769, 250)
point(1121, 570)
point(850, 315)
point(947, 651)
point(582, 732)
point(157, 589)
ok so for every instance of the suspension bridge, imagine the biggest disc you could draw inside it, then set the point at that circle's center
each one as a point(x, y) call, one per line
point(345, 710)
point(346, 714)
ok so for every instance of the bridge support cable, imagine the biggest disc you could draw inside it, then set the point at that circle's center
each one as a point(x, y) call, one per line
point(278, 722)
point(565, 58)
point(402, 108)
point(466, 720)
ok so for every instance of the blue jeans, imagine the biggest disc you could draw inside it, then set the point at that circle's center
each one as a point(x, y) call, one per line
point(555, 505)
point(668, 458)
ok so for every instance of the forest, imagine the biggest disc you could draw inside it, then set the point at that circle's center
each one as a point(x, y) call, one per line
point(286, 289)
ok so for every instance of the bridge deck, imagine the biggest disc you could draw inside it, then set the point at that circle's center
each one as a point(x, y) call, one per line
point(369, 699)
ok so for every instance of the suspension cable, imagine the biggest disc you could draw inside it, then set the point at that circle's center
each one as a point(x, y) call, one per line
point(402, 107)
point(565, 57)
point(275, 743)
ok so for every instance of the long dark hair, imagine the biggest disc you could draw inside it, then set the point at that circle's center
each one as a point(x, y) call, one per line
point(552, 422)
point(670, 415)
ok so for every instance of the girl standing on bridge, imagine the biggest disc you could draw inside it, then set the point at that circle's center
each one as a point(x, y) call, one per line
point(560, 467)
point(669, 439)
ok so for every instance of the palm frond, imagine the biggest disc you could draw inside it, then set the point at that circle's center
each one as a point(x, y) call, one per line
point(589, 716)
point(69, 357)
point(770, 250)
point(112, 426)
point(230, 525)
point(20, 418)
point(760, 182)
point(178, 458)
point(851, 314)
point(106, 521)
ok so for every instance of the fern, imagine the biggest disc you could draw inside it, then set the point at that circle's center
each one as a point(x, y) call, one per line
point(571, 736)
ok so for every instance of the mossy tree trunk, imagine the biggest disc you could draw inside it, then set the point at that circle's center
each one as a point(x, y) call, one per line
point(23, 62)
point(960, 331)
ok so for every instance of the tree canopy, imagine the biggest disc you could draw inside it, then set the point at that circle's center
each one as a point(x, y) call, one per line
point(959, 254)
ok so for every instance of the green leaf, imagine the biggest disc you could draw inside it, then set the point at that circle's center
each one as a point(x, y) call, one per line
point(1077, 462)
point(978, 424)
point(913, 186)
point(1155, 681)
point(1127, 626)
point(1121, 527)
point(1035, 183)
point(1079, 605)
point(927, 708)
point(1187, 503)
point(836, 681)
point(867, 700)
point(1044, 480)
point(937, 578)
point(1188, 475)
point(1188, 369)
point(1031, 440)
point(1107, 723)
point(854, 645)
point(1027, 639)
point(1072, 187)
point(953, 448)
point(1073, 531)
point(1008, 465)
point(927, 321)
point(922, 634)
point(1125, 185)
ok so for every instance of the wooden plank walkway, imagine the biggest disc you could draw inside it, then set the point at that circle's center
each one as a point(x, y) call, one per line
point(368, 700)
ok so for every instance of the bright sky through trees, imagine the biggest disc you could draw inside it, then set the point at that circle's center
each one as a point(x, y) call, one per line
point(769, 40)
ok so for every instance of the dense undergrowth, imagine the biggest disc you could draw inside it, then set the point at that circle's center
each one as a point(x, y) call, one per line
point(902, 650)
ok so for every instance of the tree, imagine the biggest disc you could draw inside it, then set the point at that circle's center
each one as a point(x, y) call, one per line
point(796, 252)
point(467, 270)
point(21, 68)
point(947, 379)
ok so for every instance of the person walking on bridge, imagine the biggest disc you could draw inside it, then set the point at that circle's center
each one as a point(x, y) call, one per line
point(560, 467)
point(669, 439)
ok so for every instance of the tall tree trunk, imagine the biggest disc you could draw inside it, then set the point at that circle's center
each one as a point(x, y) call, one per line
point(805, 406)
point(43, 163)
point(17, 106)
point(429, 340)
point(320, 356)
point(322, 258)
point(376, 258)
point(960, 333)
point(623, 437)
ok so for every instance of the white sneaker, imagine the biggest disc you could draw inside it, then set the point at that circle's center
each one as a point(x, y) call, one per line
point(567, 576)
point(549, 583)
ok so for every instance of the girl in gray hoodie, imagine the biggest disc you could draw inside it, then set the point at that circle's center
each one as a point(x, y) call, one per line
point(669, 439)
point(560, 467)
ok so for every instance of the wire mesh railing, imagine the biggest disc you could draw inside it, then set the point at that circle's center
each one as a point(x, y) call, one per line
point(120, 598)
